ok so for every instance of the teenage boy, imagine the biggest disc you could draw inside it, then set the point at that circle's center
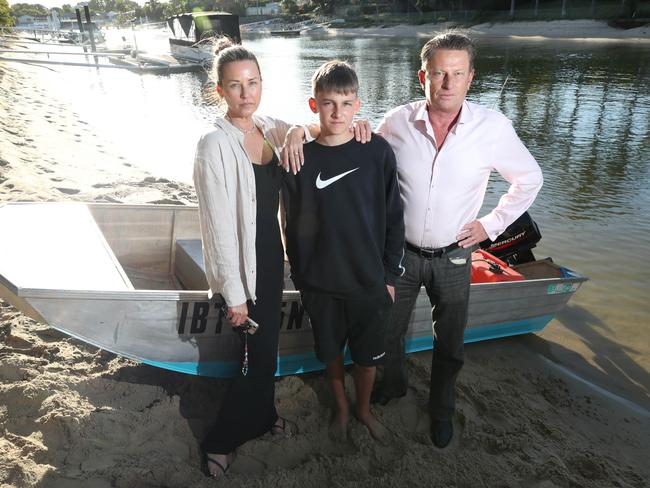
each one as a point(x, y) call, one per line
point(345, 241)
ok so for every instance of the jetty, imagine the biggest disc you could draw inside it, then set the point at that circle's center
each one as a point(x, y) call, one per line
point(31, 52)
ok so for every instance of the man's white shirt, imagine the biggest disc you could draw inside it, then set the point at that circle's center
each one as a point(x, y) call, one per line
point(444, 190)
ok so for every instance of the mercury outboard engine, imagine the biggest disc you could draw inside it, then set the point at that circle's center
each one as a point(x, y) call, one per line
point(515, 243)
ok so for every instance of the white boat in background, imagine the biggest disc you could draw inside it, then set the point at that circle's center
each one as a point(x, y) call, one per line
point(130, 279)
point(192, 32)
point(69, 33)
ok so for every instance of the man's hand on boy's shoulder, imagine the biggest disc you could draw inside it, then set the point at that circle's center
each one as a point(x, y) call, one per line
point(362, 130)
point(291, 155)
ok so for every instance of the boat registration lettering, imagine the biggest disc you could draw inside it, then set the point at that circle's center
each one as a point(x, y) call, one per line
point(199, 317)
point(562, 288)
point(207, 317)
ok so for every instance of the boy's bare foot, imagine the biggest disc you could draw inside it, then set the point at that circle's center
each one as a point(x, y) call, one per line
point(284, 428)
point(338, 429)
point(376, 429)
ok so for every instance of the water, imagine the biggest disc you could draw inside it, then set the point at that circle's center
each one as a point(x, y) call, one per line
point(583, 110)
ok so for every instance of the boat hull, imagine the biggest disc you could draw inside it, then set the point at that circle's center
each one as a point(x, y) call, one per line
point(190, 51)
point(186, 332)
point(182, 329)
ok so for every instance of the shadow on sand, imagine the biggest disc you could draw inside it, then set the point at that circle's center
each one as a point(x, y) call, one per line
point(614, 370)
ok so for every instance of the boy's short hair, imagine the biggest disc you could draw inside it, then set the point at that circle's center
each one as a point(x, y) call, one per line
point(335, 76)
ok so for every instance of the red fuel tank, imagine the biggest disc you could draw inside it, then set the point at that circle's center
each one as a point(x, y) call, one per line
point(488, 269)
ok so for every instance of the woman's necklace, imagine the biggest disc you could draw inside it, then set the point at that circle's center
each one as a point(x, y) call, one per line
point(245, 131)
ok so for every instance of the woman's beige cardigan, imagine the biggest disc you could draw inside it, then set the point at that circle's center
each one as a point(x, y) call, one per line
point(225, 187)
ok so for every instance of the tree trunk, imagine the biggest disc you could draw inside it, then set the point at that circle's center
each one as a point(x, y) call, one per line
point(512, 8)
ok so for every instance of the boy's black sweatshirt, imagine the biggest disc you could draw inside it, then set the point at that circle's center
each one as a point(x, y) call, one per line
point(344, 221)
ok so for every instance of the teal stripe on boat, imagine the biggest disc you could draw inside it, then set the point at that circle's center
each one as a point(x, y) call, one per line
point(307, 362)
point(487, 332)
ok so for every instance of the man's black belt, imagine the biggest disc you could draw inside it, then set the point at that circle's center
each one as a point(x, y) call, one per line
point(428, 252)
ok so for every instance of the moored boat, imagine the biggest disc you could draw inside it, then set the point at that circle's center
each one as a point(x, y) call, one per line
point(286, 33)
point(69, 33)
point(129, 279)
point(191, 30)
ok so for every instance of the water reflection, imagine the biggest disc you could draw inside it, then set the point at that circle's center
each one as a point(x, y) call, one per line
point(585, 116)
point(583, 109)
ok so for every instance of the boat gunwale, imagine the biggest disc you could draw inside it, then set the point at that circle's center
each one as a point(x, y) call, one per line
point(5, 283)
point(199, 295)
point(202, 295)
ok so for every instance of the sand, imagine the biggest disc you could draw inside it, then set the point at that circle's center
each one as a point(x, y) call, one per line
point(579, 30)
point(74, 416)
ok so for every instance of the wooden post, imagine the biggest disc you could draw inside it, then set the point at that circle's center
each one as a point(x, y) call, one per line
point(91, 31)
point(81, 28)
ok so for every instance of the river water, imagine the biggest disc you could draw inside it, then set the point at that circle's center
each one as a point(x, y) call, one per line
point(582, 108)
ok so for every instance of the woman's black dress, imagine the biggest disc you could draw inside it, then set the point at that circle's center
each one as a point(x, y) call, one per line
point(248, 410)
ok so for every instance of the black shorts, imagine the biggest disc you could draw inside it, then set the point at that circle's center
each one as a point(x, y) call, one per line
point(362, 323)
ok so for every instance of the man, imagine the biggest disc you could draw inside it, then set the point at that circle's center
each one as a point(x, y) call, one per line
point(446, 148)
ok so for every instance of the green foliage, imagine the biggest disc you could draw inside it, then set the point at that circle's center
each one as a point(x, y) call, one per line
point(154, 11)
point(175, 7)
point(289, 7)
point(105, 6)
point(378, 11)
point(5, 14)
point(326, 6)
point(35, 10)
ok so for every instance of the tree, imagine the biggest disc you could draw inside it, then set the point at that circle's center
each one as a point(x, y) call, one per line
point(325, 6)
point(35, 10)
point(175, 7)
point(154, 10)
point(97, 6)
point(5, 14)
point(289, 6)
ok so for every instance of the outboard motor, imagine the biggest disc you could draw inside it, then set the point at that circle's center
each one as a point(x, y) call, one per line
point(515, 243)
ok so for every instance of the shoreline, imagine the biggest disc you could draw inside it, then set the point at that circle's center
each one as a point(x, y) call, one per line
point(564, 30)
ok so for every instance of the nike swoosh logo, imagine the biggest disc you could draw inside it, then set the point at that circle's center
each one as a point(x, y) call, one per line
point(320, 184)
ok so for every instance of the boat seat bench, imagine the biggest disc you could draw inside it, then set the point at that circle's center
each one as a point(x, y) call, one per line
point(189, 266)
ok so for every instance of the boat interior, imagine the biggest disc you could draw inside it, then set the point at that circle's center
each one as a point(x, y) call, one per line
point(117, 247)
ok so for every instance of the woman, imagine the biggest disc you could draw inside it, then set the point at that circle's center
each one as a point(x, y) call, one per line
point(237, 179)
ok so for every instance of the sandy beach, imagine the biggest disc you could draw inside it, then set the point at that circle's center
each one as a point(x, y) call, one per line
point(73, 416)
point(579, 30)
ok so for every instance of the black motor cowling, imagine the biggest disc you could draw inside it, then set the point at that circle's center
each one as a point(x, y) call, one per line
point(515, 243)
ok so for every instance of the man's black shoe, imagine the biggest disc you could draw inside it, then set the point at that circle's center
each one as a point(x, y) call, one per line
point(442, 432)
point(378, 396)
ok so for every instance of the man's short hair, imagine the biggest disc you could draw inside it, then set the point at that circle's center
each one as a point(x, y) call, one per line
point(335, 76)
point(448, 40)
